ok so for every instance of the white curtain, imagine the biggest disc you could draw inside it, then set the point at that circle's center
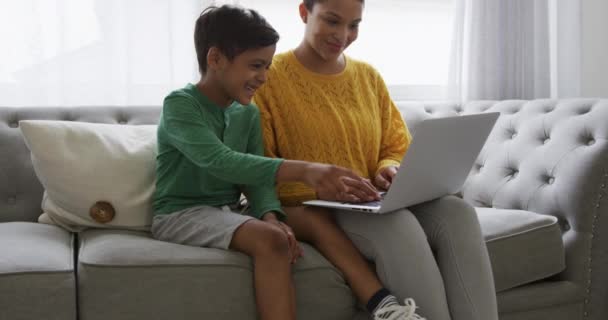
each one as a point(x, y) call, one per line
point(95, 52)
point(133, 52)
point(515, 49)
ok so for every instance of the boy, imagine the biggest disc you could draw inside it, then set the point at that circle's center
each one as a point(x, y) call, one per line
point(209, 151)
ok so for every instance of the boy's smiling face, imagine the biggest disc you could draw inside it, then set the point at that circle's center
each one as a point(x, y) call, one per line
point(242, 76)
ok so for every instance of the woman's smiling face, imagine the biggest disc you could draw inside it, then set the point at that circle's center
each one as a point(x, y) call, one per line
point(331, 26)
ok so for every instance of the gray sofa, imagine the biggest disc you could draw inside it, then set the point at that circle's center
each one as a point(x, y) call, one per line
point(540, 188)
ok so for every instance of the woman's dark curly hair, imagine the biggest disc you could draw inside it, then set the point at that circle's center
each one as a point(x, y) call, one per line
point(311, 3)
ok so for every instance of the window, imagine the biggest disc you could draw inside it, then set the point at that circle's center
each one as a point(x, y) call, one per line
point(95, 52)
point(119, 52)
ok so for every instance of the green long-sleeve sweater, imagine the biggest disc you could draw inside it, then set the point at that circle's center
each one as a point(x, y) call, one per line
point(208, 155)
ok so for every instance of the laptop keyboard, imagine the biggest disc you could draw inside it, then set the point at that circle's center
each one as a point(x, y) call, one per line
point(371, 203)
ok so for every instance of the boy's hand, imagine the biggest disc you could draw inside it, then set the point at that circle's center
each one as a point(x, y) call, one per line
point(295, 251)
point(384, 179)
point(338, 183)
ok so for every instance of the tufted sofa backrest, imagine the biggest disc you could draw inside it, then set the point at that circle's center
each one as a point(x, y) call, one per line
point(545, 156)
point(20, 190)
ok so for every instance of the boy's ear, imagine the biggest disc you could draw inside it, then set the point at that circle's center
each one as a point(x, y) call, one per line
point(215, 59)
point(303, 12)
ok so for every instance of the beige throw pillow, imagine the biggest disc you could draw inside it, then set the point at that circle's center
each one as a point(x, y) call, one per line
point(94, 175)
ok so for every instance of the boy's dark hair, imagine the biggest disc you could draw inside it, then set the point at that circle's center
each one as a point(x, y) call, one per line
point(311, 3)
point(233, 30)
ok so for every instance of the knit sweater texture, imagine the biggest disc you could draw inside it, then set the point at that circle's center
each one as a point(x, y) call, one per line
point(347, 119)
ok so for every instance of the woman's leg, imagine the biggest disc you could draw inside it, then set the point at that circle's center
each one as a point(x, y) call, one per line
point(317, 227)
point(268, 247)
point(454, 234)
point(404, 262)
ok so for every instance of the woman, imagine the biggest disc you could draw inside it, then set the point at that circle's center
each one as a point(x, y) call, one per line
point(320, 105)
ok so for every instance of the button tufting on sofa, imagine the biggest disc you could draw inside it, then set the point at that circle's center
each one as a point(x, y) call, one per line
point(591, 142)
point(484, 205)
point(584, 110)
point(546, 140)
point(514, 173)
point(550, 180)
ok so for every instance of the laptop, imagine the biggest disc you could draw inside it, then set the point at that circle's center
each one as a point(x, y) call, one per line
point(437, 163)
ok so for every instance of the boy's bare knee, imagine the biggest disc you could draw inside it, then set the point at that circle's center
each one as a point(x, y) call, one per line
point(273, 242)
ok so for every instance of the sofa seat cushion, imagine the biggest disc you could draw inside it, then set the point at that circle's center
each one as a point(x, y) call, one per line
point(36, 272)
point(524, 246)
point(202, 283)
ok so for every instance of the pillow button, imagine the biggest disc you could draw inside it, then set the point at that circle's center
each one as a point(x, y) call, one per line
point(102, 212)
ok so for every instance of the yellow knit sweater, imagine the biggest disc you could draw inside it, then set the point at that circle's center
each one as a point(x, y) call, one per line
point(346, 119)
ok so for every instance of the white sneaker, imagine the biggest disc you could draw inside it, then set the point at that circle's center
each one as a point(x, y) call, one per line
point(396, 311)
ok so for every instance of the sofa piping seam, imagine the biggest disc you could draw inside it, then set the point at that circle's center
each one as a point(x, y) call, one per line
point(182, 265)
point(593, 229)
point(550, 306)
point(512, 235)
point(49, 272)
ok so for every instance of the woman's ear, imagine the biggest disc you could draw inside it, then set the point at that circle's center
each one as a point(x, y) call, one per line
point(215, 59)
point(303, 12)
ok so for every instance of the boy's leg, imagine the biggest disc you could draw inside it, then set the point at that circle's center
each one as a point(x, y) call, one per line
point(404, 261)
point(317, 227)
point(268, 247)
point(206, 226)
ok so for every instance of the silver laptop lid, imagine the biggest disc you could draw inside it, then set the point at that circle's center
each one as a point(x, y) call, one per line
point(439, 159)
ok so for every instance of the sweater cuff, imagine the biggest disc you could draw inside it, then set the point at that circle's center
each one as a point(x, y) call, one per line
point(275, 164)
point(278, 212)
point(386, 163)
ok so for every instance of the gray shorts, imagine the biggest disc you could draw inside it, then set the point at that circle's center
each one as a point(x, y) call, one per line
point(201, 226)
